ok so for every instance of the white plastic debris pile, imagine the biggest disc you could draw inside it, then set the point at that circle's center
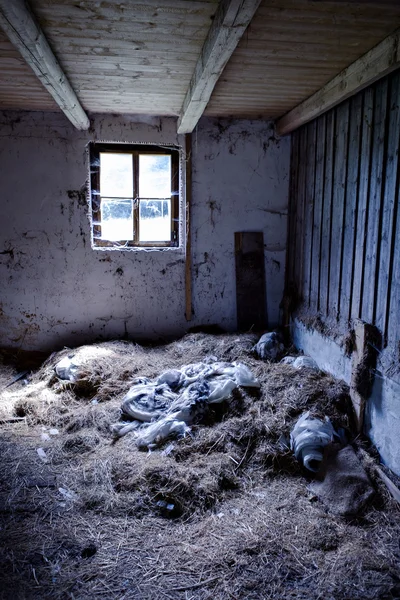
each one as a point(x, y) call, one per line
point(269, 346)
point(67, 369)
point(300, 362)
point(309, 438)
point(178, 397)
point(288, 360)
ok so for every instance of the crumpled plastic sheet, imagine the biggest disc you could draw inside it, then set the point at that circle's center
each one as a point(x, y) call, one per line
point(309, 438)
point(67, 369)
point(300, 362)
point(178, 397)
point(270, 346)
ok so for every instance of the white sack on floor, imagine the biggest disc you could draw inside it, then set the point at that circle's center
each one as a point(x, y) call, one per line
point(178, 397)
point(67, 369)
point(305, 362)
point(309, 438)
point(300, 362)
point(269, 346)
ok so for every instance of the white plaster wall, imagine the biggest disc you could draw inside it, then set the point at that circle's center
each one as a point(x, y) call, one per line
point(240, 183)
point(58, 291)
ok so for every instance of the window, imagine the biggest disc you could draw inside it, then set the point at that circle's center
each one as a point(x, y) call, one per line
point(134, 195)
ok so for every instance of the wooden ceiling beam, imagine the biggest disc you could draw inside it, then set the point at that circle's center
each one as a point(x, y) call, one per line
point(229, 24)
point(19, 24)
point(378, 62)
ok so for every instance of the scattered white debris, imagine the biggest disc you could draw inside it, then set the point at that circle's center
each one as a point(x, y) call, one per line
point(42, 454)
point(305, 362)
point(67, 369)
point(45, 437)
point(288, 360)
point(168, 449)
point(53, 431)
point(68, 494)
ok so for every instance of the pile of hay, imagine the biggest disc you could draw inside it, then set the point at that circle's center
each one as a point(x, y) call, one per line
point(222, 513)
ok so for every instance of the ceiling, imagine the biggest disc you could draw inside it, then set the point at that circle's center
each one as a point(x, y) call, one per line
point(138, 57)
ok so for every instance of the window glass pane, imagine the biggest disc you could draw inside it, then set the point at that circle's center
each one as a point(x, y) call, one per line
point(116, 219)
point(154, 176)
point(155, 221)
point(116, 174)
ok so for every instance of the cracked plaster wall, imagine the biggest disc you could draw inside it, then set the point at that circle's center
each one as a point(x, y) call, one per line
point(240, 183)
point(58, 291)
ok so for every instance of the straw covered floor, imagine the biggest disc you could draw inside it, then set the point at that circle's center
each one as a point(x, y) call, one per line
point(224, 513)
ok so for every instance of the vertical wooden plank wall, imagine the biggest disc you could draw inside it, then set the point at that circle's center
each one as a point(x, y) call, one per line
point(344, 227)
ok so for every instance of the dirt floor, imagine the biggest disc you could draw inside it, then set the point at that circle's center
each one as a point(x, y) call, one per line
point(224, 513)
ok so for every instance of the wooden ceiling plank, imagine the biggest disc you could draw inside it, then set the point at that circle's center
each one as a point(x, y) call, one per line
point(230, 22)
point(378, 62)
point(20, 25)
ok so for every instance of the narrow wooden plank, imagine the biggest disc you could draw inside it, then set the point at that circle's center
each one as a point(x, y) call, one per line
point(338, 207)
point(350, 214)
point(292, 234)
point(392, 320)
point(318, 211)
point(362, 202)
point(378, 62)
point(327, 212)
point(229, 24)
point(188, 254)
point(300, 203)
point(309, 211)
point(20, 25)
point(373, 237)
point(367, 342)
point(388, 194)
point(250, 281)
point(394, 309)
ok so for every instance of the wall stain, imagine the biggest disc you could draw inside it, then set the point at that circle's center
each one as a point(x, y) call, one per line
point(206, 260)
point(83, 235)
point(271, 140)
point(80, 196)
point(31, 234)
point(213, 207)
point(10, 252)
point(277, 264)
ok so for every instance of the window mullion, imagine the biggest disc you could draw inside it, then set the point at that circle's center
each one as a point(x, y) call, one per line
point(135, 158)
point(96, 198)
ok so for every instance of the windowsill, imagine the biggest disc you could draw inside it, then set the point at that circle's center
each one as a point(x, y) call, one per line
point(176, 249)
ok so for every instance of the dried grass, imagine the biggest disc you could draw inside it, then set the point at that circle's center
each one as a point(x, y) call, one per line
point(92, 521)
